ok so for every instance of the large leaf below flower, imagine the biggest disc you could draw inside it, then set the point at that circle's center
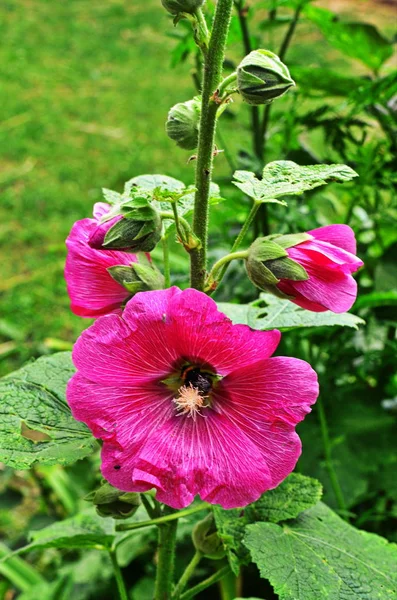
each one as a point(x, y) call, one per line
point(294, 495)
point(318, 555)
point(274, 313)
point(286, 178)
point(36, 424)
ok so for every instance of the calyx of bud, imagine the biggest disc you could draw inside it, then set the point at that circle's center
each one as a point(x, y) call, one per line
point(111, 502)
point(262, 77)
point(138, 230)
point(183, 123)
point(206, 539)
point(182, 6)
point(140, 276)
point(268, 262)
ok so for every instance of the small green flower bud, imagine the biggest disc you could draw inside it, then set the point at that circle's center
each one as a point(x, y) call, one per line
point(183, 123)
point(206, 538)
point(182, 6)
point(268, 262)
point(138, 230)
point(140, 276)
point(111, 502)
point(262, 77)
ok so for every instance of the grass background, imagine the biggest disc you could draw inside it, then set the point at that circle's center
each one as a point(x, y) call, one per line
point(85, 89)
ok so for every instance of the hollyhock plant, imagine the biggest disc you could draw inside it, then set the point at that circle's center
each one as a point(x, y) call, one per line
point(329, 259)
point(188, 403)
point(93, 291)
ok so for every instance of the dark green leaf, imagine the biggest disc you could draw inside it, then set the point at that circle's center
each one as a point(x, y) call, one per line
point(357, 40)
point(36, 423)
point(318, 555)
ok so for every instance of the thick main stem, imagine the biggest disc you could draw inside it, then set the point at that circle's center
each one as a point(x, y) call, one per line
point(211, 78)
point(165, 561)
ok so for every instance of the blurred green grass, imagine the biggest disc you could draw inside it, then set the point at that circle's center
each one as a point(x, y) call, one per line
point(86, 90)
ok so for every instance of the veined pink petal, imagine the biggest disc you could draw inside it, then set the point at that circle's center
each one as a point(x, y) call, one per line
point(100, 210)
point(93, 292)
point(341, 236)
point(97, 235)
point(337, 257)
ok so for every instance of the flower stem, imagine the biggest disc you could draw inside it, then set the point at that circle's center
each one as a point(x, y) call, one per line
point(165, 519)
point(201, 34)
point(149, 508)
point(223, 262)
point(239, 239)
point(188, 572)
point(205, 583)
point(328, 458)
point(213, 65)
point(166, 561)
point(166, 258)
point(118, 576)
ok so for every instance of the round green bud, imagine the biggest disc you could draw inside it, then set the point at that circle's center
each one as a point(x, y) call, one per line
point(206, 539)
point(138, 230)
point(262, 77)
point(111, 502)
point(268, 262)
point(182, 6)
point(183, 123)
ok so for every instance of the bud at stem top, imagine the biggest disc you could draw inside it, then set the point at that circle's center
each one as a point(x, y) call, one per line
point(262, 77)
point(182, 6)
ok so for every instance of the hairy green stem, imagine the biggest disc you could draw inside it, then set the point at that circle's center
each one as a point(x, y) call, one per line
point(206, 583)
point(213, 65)
point(328, 458)
point(239, 238)
point(188, 572)
point(164, 519)
point(118, 576)
point(166, 260)
point(165, 561)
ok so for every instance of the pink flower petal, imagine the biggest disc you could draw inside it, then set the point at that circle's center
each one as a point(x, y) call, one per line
point(93, 292)
point(341, 236)
point(337, 258)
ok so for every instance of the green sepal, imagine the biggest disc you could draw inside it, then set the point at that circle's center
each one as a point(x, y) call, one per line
point(139, 230)
point(262, 77)
point(286, 268)
point(291, 239)
point(111, 502)
point(206, 539)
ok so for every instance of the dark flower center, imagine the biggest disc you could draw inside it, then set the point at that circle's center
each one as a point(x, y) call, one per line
point(202, 381)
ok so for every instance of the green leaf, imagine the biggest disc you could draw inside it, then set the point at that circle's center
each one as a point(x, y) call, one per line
point(295, 494)
point(375, 299)
point(240, 314)
point(285, 315)
point(111, 197)
point(286, 178)
point(361, 41)
point(85, 530)
point(318, 555)
point(36, 424)
point(163, 183)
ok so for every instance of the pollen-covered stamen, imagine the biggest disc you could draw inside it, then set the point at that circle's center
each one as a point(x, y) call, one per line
point(189, 401)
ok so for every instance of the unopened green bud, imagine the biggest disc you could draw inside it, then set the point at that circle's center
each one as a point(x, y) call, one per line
point(268, 262)
point(140, 276)
point(111, 502)
point(138, 230)
point(183, 123)
point(182, 6)
point(206, 538)
point(262, 77)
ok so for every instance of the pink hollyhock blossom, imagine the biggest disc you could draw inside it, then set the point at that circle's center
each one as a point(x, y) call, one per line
point(329, 260)
point(188, 403)
point(92, 290)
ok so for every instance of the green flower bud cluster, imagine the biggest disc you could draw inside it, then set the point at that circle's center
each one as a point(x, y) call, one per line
point(111, 502)
point(183, 123)
point(262, 77)
point(140, 276)
point(268, 262)
point(182, 6)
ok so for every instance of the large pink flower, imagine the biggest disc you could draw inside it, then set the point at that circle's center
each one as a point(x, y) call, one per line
point(92, 290)
point(188, 403)
point(329, 260)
